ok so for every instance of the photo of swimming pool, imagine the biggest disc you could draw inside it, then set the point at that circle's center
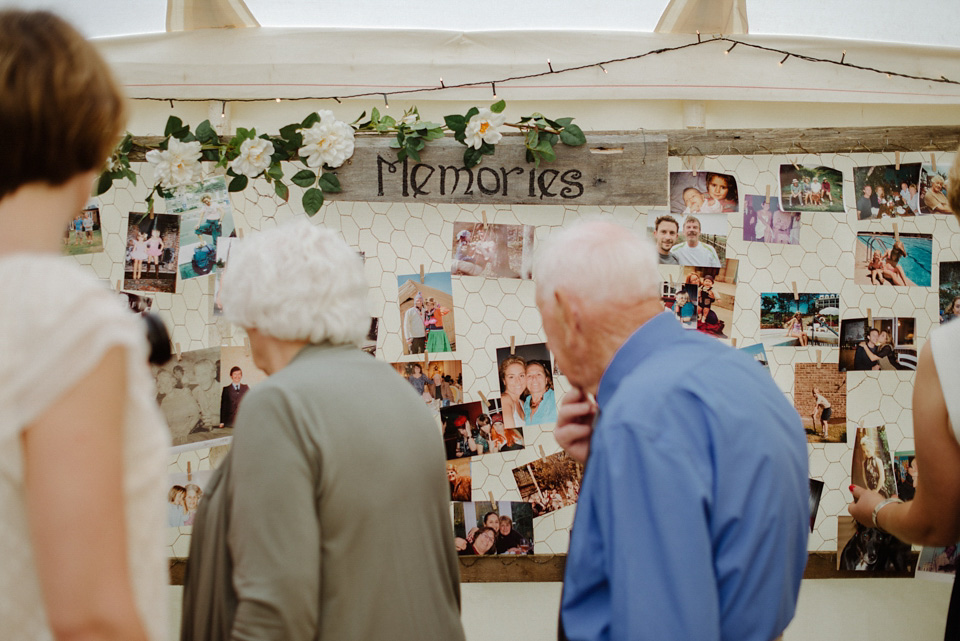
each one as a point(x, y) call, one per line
point(916, 264)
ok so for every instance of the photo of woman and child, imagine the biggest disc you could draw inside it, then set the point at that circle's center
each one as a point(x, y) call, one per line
point(527, 394)
point(468, 431)
point(205, 216)
point(764, 222)
point(799, 320)
point(805, 188)
point(426, 312)
point(703, 193)
point(504, 527)
point(492, 251)
point(878, 343)
point(888, 259)
point(152, 243)
point(705, 299)
point(872, 466)
point(184, 497)
point(549, 483)
point(438, 383)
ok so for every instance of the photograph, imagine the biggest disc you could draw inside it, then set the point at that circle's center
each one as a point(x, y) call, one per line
point(799, 320)
point(223, 256)
point(816, 491)
point(549, 483)
point(820, 396)
point(887, 344)
point(872, 466)
point(189, 392)
point(705, 297)
point(884, 190)
point(206, 216)
point(933, 189)
point(369, 344)
point(949, 291)
point(527, 394)
point(184, 495)
point(805, 188)
point(759, 354)
point(83, 235)
point(426, 313)
point(469, 431)
point(703, 192)
point(882, 259)
point(492, 251)
point(938, 563)
point(237, 374)
point(486, 528)
point(699, 240)
point(765, 222)
point(150, 262)
point(438, 383)
point(907, 473)
point(136, 303)
point(864, 549)
point(461, 483)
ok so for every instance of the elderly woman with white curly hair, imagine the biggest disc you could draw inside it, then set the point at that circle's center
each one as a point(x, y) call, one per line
point(329, 518)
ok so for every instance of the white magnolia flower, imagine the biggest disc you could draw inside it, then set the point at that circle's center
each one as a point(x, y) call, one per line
point(328, 142)
point(178, 165)
point(254, 157)
point(484, 127)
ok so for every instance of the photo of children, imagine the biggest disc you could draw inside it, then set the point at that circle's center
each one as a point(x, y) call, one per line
point(426, 313)
point(949, 291)
point(705, 297)
point(484, 528)
point(492, 251)
point(820, 396)
point(883, 259)
point(184, 496)
point(527, 394)
point(83, 234)
point(438, 383)
point(764, 222)
point(469, 431)
point(237, 374)
point(938, 563)
point(549, 483)
point(205, 217)
point(699, 240)
point(788, 320)
point(816, 491)
point(460, 480)
point(804, 188)
point(703, 193)
point(885, 344)
point(150, 263)
point(872, 466)
point(884, 190)
point(907, 472)
point(189, 392)
point(933, 189)
point(864, 549)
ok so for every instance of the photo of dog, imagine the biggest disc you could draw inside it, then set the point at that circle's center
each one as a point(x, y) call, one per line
point(868, 549)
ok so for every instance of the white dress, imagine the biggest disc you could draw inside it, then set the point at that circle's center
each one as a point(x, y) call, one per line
point(56, 323)
point(945, 346)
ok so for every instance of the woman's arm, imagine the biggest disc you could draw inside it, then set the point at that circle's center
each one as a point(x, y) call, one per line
point(73, 480)
point(873, 357)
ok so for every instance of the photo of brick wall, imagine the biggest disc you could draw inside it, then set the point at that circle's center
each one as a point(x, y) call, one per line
point(820, 396)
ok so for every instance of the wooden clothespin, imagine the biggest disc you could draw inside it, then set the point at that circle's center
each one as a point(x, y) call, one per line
point(119, 285)
point(542, 455)
point(483, 399)
point(869, 318)
point(818, 358)
point(189, 472)
point(670, 276)
point(795, 165)
point(426, 361)
point(896, 233)
point(733, 341)
point(513, 345)
point(483, 215)
point(796, 296)
point(493, 502)
point(421, 273)
point(933, 161)
point(176, 346)
point(240, 233)
point(898, 160)
point(767, 197)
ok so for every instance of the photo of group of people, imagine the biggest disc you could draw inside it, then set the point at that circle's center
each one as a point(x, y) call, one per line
point(933, 189)
point(878, 343)
point(469, 431)
point(492, 251)
point(460, 480)
point(438, 383)
point(700, 241)
point(83, 235)
point(184, 497)
point(820, 396)
point(205, 217)
point(886, 259)
point(765, 222)
point(949, 291)
point(799, 320)
point(804, 188)
point(704, 299)
point(189, 395)
point(150, 260)
point(549, 483)
point(486, 528)
point(426, 313)
point(527, 394)
point(887, 190)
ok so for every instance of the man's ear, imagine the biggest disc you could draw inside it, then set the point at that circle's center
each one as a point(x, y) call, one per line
point(569, 310)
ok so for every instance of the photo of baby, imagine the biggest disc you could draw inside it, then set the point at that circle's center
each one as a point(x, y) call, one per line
point(765, 222)
point(703, 193)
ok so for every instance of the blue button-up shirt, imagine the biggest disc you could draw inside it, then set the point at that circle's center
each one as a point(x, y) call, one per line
point(693, 516)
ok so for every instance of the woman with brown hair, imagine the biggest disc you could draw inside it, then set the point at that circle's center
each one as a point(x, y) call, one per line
point(513, 384)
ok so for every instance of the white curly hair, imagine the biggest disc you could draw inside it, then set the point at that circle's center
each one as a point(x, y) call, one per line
point(297, 282)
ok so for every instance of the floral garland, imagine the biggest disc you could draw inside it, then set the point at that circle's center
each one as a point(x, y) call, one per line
point(323, 143)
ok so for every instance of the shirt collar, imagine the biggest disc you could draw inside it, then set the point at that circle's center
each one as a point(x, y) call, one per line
point(659, 331)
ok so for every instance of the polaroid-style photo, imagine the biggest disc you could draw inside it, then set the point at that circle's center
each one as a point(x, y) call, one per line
point(705, 297)
point(238, 374)
point(189, 391)
point(699, 240)
point(426, 313)
point(801, 320)
point(83, 234)
point(184, 495)
point(949, 291)
point(484, 528)
point(938, 563)
point(820, 396)
point(438, 383)
point(864, 549)
point(150, 262)
point(492, 251)
point(887, 344)
point(816, 491)
point(881, 259)
point(703, 193)
point(759, 354)
point(527, 394)
point(765, 222)
point(884, 190)
point(872, 466)
point(933, 189)
point(460, 480)
point(469, 431)
point(804, 188)
point(907, 473)
point(549, 483)
point(205, 218)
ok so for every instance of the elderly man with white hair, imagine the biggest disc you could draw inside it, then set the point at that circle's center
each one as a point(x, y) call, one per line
point(693, 516)
point(329, 518)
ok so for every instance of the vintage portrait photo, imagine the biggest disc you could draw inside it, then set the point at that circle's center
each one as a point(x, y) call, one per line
point(501, 527)
point(765, 222)
point(703, 193)
point(237, 375)
point(426, 313)
point(816, 491)
point(804, 188)
point(205, 217)
point(549, 483)
point(907, 472)
point(949, 290)
point(492, 251)
point(438, 383)
point(189, 392)
point(150, 261)
point(699, 240)
point(884, 190)
point(759, 354)
point(704, 298)
point(882, 259)
point(83, 235)
point(820, 396)
point(872, 466)
point(460, 480)
point(879, 343)
point(184, 495)
point(527, 394)
point(801, 320)
point(469, 431)
point(938, 563)
point(933, 189)
point(864, 549)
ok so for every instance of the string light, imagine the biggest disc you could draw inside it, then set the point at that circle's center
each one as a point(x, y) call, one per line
point(442, 86)
point(698, 35)
point(386, 103)
point(604, 69)
point(550, 65)
point(278, 100)
point(731, 48)
point(223, 109)
point(493, 86)
point(784, 59)
point(844, 57)
point(171, 103)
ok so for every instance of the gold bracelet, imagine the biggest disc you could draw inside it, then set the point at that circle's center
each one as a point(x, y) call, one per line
point(882, 504)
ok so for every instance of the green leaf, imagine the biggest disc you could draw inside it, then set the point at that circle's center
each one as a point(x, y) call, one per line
point(395, 143)
point(310, 120)
point(304, 178)
point(387, 122)
point(312, 201)
point(455, 122)
point(472, 157)
point(173, 124)
point(129, 175)
point(412, 151)
point(375, 116)
point(238, 184)
point(563, 122)
point(532, 138)
point(275, 171)
point(329, 183)
point(206, 134)
point(498, 106)
point(104, 183)
point(434, 133)
point(553, 139)
point(471, 113)
point(573, 136)
point(282, 190)
point(546, 150)
point(288, 132)
point(359, 118)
